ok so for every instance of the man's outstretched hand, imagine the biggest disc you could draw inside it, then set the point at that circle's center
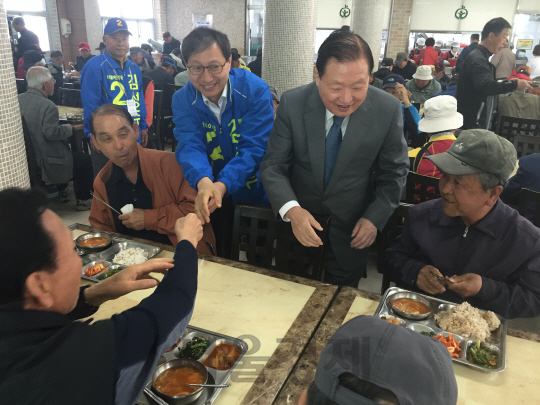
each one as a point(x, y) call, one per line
point(189, 228)
point(303, 226)
point(209, 198)
point(132, 278)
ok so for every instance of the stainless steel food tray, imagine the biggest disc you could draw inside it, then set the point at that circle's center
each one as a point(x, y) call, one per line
point(209, 395)
point(107, 255)
point(496, 342)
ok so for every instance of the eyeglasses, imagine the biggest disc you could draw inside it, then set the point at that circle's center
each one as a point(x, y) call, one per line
point(212, 69)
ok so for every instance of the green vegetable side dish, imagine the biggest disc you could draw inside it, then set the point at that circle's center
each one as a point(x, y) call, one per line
point(428, 334)
point(194, 349)
point(113, 272)
point(482, 355)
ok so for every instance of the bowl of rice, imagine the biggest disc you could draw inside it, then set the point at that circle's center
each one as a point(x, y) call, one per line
point(468, 321)
point(131, 256)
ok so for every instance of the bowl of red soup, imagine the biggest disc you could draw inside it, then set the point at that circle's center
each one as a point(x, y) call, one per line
point(170, 380)
point(410, 305)
point(93, 242)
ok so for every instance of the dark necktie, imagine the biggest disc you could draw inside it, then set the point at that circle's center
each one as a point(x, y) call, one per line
point(333, 143)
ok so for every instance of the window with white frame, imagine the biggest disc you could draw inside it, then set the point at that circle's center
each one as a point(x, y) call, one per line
point(35, 17)
point(139, 16)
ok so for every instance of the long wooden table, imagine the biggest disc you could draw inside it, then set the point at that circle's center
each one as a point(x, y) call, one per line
point(518, 384)
point(275, 313)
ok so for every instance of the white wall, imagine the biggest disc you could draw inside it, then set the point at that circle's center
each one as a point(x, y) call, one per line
point(229, 17)
point(94, 29)
point(328, 13)
point(529, 6)
point(437, 15)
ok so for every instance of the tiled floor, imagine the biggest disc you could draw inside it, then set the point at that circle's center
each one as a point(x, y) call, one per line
point(67, 211)
point(372, 283)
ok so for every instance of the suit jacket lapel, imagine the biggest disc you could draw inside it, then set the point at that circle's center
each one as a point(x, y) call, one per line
point(357, 128)
point(314, 121)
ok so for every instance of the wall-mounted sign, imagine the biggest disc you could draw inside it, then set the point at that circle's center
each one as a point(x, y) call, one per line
point(345, 11)
point(524, 44)
point(202, 20)
point(461, 13)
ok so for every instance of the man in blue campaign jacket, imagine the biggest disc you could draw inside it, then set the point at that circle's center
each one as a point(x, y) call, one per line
point(223, 119)
point(111, 78)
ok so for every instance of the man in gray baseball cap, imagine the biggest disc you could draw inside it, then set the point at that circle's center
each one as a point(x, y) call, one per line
point(403, 66)
point(371, 361)
point(486, 253)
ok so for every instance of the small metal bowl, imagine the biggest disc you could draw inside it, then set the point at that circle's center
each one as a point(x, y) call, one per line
point(184, 399)
point(413, 296)
point(93, 249)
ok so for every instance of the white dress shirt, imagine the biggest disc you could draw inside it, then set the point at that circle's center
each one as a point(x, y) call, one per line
point(217, 110)
point(534, 64)
point(328, 124)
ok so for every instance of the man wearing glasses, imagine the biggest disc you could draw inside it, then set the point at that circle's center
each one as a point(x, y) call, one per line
point(223, 119)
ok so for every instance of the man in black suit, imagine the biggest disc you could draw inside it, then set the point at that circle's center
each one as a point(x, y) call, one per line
point(307, 170)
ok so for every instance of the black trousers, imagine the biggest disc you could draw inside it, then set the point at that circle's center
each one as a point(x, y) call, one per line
point(99, 160)
point(337, 275)
point(83, 178)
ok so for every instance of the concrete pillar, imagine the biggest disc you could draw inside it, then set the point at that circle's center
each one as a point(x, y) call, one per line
point(54, 25)
point(13, 166)
point(367, 20)
point(160, 17)
point(289, 43)
point(398, 36)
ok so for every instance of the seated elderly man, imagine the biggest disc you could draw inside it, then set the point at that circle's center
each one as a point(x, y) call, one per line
point(382, 348)
point(519, 104)
point(136, 54)
point(487, 254)
point(67, 362)
point(440, 122)
point(150, 180)
point(58, 164)
point(395, 85)
point(423, 86)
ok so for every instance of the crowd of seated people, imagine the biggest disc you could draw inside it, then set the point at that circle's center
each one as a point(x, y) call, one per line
point(237, 140)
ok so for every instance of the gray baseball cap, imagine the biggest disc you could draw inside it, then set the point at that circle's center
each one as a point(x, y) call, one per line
point(477, 151)
point(416, 369)
point(274, 94)
point(401, 56)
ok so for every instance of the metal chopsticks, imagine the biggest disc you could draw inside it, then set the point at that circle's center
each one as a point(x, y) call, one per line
point(97, 198)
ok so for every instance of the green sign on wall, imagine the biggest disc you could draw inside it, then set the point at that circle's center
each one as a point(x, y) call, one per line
point(345, 11)
point(461, 13)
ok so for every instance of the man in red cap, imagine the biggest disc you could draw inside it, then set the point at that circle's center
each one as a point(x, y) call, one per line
point(85, 56)
point(170, 43)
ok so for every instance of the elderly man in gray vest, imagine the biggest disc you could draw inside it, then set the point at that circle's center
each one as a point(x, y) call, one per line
point(58, 164)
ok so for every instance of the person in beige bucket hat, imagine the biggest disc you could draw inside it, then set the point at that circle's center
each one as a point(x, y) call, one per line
point(440, 122)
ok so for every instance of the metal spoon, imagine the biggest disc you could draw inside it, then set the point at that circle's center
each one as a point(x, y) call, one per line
point(210, 385)
point(154, 397)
